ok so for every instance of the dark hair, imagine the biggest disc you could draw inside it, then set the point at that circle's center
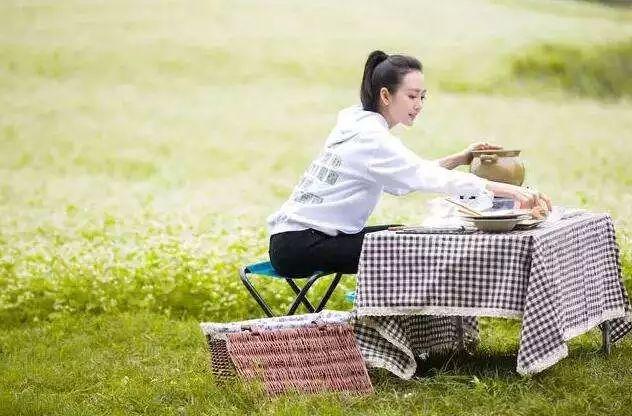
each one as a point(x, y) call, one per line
point(382, 70)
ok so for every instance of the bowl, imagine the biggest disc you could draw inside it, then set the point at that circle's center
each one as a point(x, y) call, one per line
point(495, 225)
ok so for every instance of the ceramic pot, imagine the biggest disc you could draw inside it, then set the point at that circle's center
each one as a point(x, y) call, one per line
point(498, 166)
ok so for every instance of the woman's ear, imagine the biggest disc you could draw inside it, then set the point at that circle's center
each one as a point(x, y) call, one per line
point(385, 96)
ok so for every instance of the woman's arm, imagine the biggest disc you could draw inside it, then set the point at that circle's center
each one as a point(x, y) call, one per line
point(400, 171)
point(453, 161)
point(465, 157)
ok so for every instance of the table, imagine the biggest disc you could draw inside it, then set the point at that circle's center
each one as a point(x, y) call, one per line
point(418, 293)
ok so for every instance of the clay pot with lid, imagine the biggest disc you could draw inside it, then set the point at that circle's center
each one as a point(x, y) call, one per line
point(498, 166)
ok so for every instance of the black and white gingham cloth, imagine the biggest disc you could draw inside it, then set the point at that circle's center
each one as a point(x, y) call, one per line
point(395, 343)
point(561, 280)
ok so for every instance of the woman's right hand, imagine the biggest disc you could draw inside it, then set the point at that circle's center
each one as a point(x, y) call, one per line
point(525, 197)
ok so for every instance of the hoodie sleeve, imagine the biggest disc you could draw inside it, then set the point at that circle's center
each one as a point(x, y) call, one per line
point(400, 171)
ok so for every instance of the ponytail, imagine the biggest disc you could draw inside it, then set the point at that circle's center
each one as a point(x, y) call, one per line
point(367, 96)
point(382, 70)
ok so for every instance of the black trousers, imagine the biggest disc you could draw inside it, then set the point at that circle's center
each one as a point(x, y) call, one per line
point(300, 253)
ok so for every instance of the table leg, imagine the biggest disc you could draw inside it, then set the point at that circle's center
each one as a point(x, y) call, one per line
point(460, 333)
point(605, 337)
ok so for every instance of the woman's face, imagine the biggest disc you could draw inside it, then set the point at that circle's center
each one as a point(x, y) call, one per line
point(407, 102)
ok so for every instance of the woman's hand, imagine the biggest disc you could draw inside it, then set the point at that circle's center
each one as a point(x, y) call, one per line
point(467, 154)
point(465, 157)
point(539, 203)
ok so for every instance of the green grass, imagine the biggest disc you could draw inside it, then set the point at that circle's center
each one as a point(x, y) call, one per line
point(150, 364)
point(603, 72)
point(143, 144)
point(560, 70)
point(623, 3)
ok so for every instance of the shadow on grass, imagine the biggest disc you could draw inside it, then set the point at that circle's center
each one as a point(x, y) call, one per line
point(458, 368)
point(480, 364)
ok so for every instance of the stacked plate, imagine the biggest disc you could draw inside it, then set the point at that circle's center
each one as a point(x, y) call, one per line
point(496, 220)
point(499, 221)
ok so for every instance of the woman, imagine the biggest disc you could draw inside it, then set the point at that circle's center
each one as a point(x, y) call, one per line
point(322, 225)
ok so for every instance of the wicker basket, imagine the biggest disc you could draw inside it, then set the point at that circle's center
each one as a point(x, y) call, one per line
point(307, 353)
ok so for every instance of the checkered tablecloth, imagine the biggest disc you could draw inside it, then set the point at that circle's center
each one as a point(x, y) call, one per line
point(561, 279)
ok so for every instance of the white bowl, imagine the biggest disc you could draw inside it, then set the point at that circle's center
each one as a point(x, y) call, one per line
point(495, 225)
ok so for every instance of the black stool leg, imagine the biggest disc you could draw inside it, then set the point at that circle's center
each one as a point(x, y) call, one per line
point(297, 291)
point(243, 273)
point(301, 296)
point(330, 290)
point(301, 293)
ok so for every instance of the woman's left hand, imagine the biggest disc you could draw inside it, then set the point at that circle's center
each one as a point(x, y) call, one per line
point(539, 204)
point(468, 155)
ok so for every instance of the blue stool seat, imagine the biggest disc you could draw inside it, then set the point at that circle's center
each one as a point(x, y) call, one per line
point(264, 268)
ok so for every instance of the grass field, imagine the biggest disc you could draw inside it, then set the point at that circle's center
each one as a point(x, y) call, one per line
point(142, 145)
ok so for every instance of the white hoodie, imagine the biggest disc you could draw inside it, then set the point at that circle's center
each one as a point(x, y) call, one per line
point(344, 183)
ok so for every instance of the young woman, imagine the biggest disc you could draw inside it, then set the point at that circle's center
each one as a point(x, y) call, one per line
point(322, 225)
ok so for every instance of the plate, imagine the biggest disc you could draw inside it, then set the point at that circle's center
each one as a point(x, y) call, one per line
point(495, 224)
point(529, 223)
point(499, 214)
point(495, 217)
